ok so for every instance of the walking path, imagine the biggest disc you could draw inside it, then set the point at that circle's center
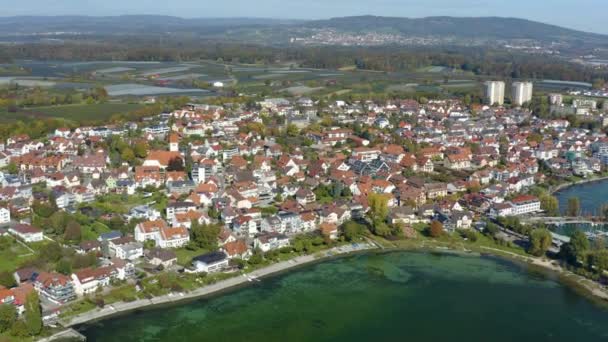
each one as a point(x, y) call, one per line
point(119, 307)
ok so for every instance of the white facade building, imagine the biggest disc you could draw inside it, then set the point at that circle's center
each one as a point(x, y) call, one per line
point(5, 216)
point(521, 92)
point(495, 92)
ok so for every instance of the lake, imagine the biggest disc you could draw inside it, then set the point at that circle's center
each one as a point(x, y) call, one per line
point(400, 296)
point(592, 196)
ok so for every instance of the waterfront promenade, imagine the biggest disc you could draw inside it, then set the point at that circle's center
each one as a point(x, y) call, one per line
point(122, 307)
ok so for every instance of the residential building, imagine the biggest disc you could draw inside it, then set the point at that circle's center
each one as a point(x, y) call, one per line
point(210, 262)
point(163, 235)
point(521, 93)
point(495, 92)
point(55, 287)
point(27, 233)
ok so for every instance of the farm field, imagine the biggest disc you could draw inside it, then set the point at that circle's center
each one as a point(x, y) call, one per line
point(77, 113)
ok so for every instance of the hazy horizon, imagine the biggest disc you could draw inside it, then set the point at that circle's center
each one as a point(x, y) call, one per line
point(584, 15)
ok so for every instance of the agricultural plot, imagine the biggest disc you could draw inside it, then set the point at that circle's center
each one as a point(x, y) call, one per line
point(76, 113)
point(135, 89)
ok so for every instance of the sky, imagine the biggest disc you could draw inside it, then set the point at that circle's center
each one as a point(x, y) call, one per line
point(586, 15)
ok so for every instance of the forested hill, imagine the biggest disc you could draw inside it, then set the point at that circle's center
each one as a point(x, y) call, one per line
point(481, 27)
point(487, 28)
point(130, 24)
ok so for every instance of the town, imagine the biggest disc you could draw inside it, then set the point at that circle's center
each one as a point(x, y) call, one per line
point(212, 190)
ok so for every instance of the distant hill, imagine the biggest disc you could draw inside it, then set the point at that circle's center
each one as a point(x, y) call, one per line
point(128, 24)
point(278, 31)
point(482, 27)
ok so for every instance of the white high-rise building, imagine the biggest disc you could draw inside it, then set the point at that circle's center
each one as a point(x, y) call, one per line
point(521, 92)
point(495, 92)
point(556, 99)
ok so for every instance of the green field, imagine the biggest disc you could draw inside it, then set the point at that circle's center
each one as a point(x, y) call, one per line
point(12, 254)
point(77, 113)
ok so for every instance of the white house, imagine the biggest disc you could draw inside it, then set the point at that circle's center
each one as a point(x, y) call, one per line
point(270, 241)
point(27, 232)
point(210, 262)
point(89, 280)
point(163, 235)
point(5, 215)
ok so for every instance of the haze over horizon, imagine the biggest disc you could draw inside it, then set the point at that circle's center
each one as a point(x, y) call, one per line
point(584, 15)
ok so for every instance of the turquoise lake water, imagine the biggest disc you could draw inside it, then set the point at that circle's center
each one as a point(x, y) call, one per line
point(402, 296)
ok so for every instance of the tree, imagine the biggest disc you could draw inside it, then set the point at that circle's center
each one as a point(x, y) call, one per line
point(73, 232)
point(205, 236)
point(352, 230)
point(127, 155)
point(378, 205)
point(540, 241)
point(574, 206)
point(141, 150)
point(575, 250)
point(176, 164)
point(8, 316)
point(64, 266)
point(50, 252)
point(7, 280)
point(599, 260)
point(549, 204)
point(436, 229)
point(33, 313)
point(292, 130)
point(12, 168)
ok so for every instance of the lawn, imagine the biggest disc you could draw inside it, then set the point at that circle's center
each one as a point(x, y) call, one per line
point(79, 113)
point(12, 254)
point(184, 255)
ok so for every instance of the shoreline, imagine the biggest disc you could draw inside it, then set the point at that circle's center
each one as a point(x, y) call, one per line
point(564, 186)
point(120, 308)
point(583, 286)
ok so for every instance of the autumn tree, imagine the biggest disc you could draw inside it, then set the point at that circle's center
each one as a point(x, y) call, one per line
point(436, 229)
point(540, 241)
point(574, 206)
point(176, 164)
point(378, 204)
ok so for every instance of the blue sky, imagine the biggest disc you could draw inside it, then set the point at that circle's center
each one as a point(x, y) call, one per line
point(587, 15)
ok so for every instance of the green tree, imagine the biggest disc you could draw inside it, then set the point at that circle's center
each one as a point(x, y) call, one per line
point(292, 130)
point(574, 206)
point(50, 252)
point(599, 260)
point(33, 313)
point(64, 266)
point(19, 329)
point(8, 316)
point(73, 232)
point(378, 205)
point(205, 236)
point(12, 168)
point(7, 280)
point(127, 155)
point(141, 150)
point(550, 205)
point(540, 241)
point(352, 230)
point(575, 250)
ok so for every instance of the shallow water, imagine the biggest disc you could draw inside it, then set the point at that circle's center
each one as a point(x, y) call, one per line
point(388, 297)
